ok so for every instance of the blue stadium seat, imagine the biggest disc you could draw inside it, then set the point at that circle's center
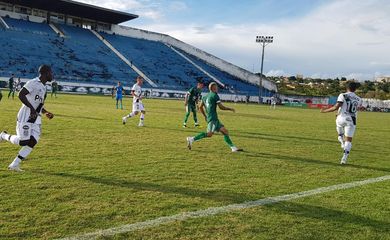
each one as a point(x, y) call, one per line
point(160, 63)
point(80, 57)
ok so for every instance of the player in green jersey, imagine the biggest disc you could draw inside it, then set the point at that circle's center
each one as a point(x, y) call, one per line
point(210, 103)
point(191, 100)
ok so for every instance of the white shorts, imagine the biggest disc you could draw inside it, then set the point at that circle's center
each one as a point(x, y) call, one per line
point(138, 107)
point(346, 126)
point(27, 130)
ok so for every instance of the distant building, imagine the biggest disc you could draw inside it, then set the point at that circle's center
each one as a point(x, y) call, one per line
point(299, 76)
point(383, 79)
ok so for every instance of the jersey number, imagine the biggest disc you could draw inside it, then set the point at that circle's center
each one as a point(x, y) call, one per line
point(352, 106)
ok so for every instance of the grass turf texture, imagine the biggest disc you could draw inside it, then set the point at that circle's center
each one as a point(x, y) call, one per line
point(90, 172)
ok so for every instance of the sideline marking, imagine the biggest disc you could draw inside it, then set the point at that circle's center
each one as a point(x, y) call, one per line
point(220, 210)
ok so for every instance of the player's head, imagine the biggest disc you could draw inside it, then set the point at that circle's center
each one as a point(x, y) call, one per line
point(200, 84)
point(45, 73)
point(140, 80)
point(119, 83)
point(352, 86)
point(13, 75)
point(213, 87)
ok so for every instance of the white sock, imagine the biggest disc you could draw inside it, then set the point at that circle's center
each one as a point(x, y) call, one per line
point(347, 147)
point(142, 117)
point(12, 139)
point(23, 153)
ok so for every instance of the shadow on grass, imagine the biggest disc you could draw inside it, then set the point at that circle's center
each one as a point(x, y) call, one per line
point(290, 137)
point(328, 215)
point(79, 117)
point(214, 195)
point(314, 161)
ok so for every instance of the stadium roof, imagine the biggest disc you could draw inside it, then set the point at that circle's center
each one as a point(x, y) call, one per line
point(77, 9)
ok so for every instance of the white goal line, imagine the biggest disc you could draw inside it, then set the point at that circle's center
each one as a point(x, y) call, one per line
point(220, 210)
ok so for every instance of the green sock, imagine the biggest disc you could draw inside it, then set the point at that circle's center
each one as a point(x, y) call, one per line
point(200, 136)
point(186, 117)
point(228, 141)
point(195, 117)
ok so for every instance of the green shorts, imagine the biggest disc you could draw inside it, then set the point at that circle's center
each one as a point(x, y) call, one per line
point(214, 126)
point(191, 108)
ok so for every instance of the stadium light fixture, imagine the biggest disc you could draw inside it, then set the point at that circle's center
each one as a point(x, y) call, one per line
point(264, 41)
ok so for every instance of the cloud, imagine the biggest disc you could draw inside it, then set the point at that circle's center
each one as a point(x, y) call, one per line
point(177, 6)
point(144, 8)
point(336, 39)
point(121, 5)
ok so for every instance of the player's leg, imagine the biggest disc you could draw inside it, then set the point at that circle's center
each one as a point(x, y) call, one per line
point(340, 124)
point(9, 93)
point(349, 132)
point(142, 118)
point(211, 126)
point(117, 99)
point(142, 115)
point(194, 114)
point(136, 110)
point(186, 116)
point(121, 103)
point(27, 137)
point(227, 139)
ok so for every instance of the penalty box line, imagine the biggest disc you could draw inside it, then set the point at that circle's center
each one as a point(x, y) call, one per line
point(221, 210)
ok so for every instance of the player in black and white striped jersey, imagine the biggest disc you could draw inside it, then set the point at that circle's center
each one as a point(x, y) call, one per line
point(347, 105)
point(29, 121)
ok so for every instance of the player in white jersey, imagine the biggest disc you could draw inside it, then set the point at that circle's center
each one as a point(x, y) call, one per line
point(347, 105)
point(273, 102)
point(138, 106)
point(29, 121)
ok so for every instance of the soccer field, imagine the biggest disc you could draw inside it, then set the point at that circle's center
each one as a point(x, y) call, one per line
point(91, 173)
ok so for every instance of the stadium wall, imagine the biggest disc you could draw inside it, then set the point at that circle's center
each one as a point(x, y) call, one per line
point(215, 61)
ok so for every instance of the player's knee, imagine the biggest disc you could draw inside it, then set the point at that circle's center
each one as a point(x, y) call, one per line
point(209, 134)
point(32, 142)
point(143, 112)
point(136, 113)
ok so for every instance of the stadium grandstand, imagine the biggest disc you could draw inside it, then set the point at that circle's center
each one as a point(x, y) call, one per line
point(87, 47)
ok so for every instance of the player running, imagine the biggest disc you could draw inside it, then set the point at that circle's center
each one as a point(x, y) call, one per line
point(210, 103)
point(11, 86)
point(119, 92)
point(138, 106)
point(347, 105)
point(29, 120)
point(54, 88)
point(191, 101)
point(273, 102)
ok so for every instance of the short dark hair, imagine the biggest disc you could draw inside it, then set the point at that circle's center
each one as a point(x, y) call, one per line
point(43, 69)
point(352, 86)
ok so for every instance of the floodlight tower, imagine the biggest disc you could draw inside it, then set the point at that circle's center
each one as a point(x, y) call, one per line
point(264, 41)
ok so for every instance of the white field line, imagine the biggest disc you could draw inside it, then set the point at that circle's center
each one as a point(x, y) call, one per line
point(220, 210)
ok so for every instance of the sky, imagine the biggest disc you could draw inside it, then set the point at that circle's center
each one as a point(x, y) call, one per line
point(316, 38)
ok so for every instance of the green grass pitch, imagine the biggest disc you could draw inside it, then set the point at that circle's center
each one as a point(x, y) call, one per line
point(90, 172)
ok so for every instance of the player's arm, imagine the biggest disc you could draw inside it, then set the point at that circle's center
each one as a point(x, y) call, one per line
point(23, 98)
point(201, 108)
point(48, 114)
point(332, 109)
point(224, 108)
point(186, 99)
